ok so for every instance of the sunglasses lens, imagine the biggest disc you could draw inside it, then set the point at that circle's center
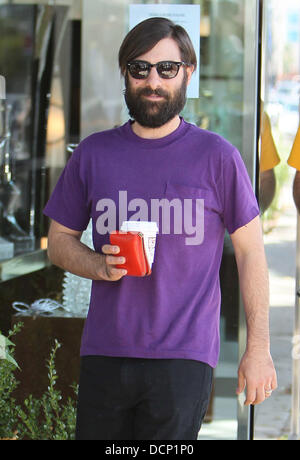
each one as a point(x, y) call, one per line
point(139, 69)
point(167, 69)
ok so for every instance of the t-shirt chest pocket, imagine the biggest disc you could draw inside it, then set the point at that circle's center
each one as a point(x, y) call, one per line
point(188, 211)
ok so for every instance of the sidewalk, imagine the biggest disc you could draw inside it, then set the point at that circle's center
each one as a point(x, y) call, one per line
point(273, 417)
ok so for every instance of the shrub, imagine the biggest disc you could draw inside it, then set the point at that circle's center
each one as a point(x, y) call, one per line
point(44, 418)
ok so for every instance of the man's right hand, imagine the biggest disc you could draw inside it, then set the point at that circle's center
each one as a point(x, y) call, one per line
point(67, 251)
point(108, 271)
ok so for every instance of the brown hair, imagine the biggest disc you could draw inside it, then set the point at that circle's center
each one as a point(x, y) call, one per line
point(145, 35)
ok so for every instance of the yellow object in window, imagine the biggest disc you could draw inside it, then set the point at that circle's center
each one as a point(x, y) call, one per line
point(294, 158)
point(269, 157)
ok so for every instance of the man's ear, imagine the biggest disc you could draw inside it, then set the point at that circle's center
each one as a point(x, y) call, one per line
point(189, 70)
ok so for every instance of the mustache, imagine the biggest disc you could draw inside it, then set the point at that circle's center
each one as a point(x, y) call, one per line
point(152, 92)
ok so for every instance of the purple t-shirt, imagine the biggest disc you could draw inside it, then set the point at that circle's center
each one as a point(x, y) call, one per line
point(194, 184)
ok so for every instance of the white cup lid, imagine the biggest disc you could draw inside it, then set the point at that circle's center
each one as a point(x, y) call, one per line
point(139, 226)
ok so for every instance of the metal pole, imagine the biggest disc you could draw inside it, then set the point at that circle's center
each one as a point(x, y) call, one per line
point(251, 130)
point(295, 355)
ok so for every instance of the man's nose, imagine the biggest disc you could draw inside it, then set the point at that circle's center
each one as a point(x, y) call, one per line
point(153, 79)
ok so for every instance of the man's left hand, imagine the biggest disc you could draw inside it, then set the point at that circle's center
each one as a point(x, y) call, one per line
point(257, 374)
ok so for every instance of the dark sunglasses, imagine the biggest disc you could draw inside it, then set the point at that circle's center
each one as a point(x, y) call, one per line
point(165, 69)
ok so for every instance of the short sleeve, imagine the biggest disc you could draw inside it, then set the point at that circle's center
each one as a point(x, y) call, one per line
point(240, 204)
point(269, 157)
point(68, 204)
point(294, 158)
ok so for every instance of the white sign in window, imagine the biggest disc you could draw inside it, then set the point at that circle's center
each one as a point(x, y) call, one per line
point(187, 16)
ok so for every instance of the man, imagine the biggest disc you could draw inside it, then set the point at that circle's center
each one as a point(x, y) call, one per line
point(150, 344)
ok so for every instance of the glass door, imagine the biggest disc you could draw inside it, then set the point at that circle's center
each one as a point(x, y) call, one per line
point(279, 198)
point(226, 104)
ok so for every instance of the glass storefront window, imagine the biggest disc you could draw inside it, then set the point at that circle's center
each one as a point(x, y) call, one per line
point(17, 32)
point(35, 62)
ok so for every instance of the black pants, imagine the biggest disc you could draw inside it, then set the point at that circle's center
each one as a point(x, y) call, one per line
point(141, 399)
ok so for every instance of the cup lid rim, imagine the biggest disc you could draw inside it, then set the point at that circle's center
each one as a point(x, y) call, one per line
point(139, 225)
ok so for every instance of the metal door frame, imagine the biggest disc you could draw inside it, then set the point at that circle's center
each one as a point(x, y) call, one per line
point(251, 131)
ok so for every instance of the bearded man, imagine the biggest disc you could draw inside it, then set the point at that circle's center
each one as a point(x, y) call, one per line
point(150, 343)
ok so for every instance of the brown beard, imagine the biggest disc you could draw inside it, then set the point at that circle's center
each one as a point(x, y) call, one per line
point(153, 114)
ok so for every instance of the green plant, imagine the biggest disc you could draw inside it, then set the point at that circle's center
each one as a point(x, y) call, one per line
point(8, 383)
point(48, 418)
point(44, 418)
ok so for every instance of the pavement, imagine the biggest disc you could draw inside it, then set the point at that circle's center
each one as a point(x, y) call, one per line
point(273, 417)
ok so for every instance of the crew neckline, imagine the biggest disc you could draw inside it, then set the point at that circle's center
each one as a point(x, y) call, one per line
point(152, 143)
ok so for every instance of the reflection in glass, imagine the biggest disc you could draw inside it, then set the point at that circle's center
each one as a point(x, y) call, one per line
point(280, 95)
point(35, 60)
point(16, 24)
point(10, 194)
point(269, 158)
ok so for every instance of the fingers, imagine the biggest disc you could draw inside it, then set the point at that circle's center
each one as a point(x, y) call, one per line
point(270, 387)
point(256, 394)
point(110, 249)
point(241, 384)
point(113, 273)
point(110, 258)
point(274, 382)
point(253, 395)
point(257, 375)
